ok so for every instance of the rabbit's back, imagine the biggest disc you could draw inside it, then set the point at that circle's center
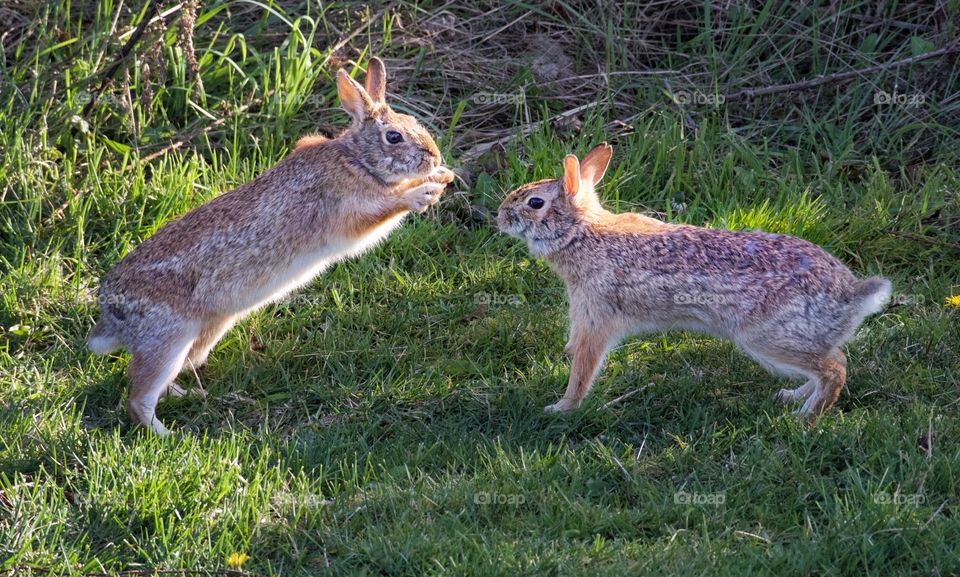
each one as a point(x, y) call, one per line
point(717, 252)
point(718, 281)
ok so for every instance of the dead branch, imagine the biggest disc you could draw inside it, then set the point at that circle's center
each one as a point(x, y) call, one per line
point(840, 76)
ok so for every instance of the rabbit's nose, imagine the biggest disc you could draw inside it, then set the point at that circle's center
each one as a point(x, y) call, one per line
point(501, 219)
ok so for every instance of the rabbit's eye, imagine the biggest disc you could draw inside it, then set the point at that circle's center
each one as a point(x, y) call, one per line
point(393, 137)
point(536, 202)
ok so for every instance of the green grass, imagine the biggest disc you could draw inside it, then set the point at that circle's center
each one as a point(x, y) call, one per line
point(379, 422)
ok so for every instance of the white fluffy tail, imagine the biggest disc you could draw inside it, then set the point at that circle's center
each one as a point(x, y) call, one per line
point(876, 293)
point(101, 343)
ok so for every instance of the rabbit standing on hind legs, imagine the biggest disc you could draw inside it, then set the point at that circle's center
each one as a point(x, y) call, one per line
point(171, 299)
point(785, 302)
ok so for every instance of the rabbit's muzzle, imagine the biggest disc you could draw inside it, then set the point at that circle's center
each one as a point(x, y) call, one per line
point(429, 162)
point(509, 223)
point(430, 156)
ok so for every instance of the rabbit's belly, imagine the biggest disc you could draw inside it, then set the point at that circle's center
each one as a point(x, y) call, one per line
point(649, 325)
point(305, 267)
point(372, 237)
point(300, 272)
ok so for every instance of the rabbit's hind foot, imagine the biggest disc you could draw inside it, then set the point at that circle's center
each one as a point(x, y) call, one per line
point(832, 373)
point(801, 393)
point(151, 371)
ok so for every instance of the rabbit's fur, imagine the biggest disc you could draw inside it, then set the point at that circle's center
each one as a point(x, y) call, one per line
point(784, 301)
point(172, 298)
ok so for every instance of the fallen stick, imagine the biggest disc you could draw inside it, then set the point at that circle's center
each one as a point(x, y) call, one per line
point(626, 396)
point(124, 52)
point(199, 132)
point(840, 76)
point(477, 151)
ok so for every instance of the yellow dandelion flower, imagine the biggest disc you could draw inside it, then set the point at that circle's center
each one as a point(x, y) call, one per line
point(236, 560)
point(954, 301)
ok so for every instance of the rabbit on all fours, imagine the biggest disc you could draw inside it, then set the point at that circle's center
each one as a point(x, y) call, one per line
point(172, 298)
point(783, 301)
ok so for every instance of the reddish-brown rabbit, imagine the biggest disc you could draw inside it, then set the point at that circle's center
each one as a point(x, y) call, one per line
point(171, 299)
point(782, 300)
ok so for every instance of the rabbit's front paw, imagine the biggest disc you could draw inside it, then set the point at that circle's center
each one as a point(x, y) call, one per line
point(422, 197)
point(562, 406)
point(441, 175)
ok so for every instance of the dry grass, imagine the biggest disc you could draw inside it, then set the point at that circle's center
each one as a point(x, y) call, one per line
point(488, 70)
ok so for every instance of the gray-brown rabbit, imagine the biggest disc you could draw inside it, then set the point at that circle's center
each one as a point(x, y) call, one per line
point(784, 301)
point(171, 299)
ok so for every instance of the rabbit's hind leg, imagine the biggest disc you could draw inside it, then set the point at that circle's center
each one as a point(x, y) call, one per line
point(825, 373)
point(801, 393)
point(789, 364)
point(832, 370)
point(210, 335)
point(152, 369)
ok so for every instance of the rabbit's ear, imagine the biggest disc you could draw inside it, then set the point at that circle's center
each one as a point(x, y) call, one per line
point(376, 81)
point(595, 163)
point(353, 97)
point(571, 175)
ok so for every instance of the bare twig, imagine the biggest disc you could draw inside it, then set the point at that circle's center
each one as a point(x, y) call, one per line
point(840, 76)
point(476, 151)
point(936, 513)
point(199, 132)
point(124, 52)
point(183, 140)
point(752, 536)
point(626, 396)
point(163, 15)
point(877, 21)
point(928, 240)
point(346, 39)
point(622, 468)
